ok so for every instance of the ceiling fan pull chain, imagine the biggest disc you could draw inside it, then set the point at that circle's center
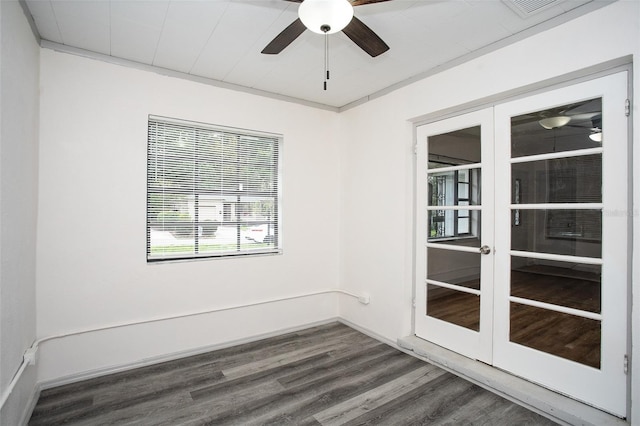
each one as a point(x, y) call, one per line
point(326, 59)
point(326, 54)
point(326, 29)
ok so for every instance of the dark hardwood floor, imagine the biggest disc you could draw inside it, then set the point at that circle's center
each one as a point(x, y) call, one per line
point(564, 335)
point(326, 375)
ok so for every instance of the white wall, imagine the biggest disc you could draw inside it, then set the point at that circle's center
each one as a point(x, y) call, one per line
point(92, 269)
point(19, 69)
point(378, 164)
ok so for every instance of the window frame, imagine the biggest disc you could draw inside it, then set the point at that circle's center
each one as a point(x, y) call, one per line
point(236, 199)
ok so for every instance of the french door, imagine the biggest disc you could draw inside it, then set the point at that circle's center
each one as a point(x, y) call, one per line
point(455, 295)
point(522, 244)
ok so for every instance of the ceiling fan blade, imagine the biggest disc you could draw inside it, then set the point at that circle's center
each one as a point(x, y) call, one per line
point(586, 116)
point(285, 38)
point(365, 38)
point(362, 2)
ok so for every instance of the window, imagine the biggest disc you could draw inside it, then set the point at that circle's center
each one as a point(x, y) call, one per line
point(454, 188)
point(211, 191)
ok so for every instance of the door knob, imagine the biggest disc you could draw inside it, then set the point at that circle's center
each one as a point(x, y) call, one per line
point(485, 250)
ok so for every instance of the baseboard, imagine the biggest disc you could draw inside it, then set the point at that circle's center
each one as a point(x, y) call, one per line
point(86, 375)
point(21, 399)
point(552, 405)
point(370, 333)
point(31, 404)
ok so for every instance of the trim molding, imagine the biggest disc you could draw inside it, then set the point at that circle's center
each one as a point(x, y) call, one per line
point(31, 404)
point(46, 44)
point(85, 375)
point(370, 333)
point(32, 23)
point(623, 63)
point(30, 354)
point(522, 35)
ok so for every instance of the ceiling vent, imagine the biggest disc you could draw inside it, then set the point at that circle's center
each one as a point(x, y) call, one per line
point(526, 8)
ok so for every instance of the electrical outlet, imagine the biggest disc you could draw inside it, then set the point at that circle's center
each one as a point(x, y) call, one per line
point(30, 356)
point(365, 299)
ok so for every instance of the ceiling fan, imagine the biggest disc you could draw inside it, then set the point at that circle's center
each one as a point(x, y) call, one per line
point(586, 115)
point(572, 115)
point(317, 16)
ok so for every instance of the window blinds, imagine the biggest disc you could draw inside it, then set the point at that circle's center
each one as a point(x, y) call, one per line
point(211, 191)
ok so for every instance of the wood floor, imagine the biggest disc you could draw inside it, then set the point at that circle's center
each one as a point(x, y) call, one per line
point(326, 375)
point(567, 336)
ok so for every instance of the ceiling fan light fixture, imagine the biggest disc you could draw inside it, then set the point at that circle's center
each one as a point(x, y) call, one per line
point(325, 16)
point(554, 122)
point(596, 135)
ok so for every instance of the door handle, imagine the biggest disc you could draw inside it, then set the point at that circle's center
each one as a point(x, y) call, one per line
point(485, 250)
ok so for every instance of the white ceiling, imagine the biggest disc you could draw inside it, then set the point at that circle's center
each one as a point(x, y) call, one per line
point(221, 40)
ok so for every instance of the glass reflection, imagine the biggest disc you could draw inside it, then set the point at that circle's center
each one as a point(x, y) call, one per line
point(561, 180)
point(567, 232)
point(454, 227)
point(453, 306)
point(454, 267)
point(454, 188)
point(454, 148)
point(560, 283)
point(564, 335)
point(564, 128)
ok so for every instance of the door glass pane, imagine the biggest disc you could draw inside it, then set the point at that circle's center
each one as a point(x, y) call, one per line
point(459, 269)
point(447, 188)
point(454, 148)
point(454, 227)
point(561, 180)
point(567, 232)
point(453, 306)
point(565, 128)
point(454, 267)
point(560, 283)
point(568, 336)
